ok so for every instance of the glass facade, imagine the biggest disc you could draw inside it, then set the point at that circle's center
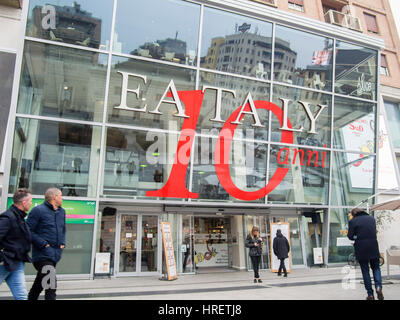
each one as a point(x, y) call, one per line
point(201, 107)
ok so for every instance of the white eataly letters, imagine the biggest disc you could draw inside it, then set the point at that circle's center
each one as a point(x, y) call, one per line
point(218, 104)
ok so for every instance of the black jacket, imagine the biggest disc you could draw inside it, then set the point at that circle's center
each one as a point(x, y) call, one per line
point(15, 238)
point(362, 229)
point(254, 250)
point(281, 246)
point(47, 227)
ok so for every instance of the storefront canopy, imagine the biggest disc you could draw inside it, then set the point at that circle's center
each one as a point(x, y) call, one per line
point(392, 204)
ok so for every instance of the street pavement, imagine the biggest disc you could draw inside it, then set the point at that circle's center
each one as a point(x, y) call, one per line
point(338, 283)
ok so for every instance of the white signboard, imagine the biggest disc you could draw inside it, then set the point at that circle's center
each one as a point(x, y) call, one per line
point(211, 255)
point(343, 242)
point(275, 262)
point(102, 265)
point(318, 256)
point(169, 250)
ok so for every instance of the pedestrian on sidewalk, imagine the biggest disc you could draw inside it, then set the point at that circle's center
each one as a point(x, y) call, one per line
point(255, 243)
point(281, 250)
point(47, 225)
point(362, 229)
point(15, 243)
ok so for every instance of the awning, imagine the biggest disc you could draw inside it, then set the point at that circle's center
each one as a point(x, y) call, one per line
point(392, 204)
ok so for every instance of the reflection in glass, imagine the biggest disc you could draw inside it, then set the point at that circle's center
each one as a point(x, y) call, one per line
point(352, 179)
point(62, 82)
point(159, 29)
point(295, 241)
point(307, 179)
point(354, 125)
point(339, 246)
point(236, 44)
point(47, 154)
point(320, 107)
point(356, 69)
point(128, 243)
point(7, 63)
point(151, 81)
point(137, 161)
point(85, 23)
point(149, 252)
point(393, 116)
point(234, 95)
point(247, 168)
point(307, 65)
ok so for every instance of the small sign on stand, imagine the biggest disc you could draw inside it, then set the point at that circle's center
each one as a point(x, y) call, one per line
point(170, 272)
point(102, 264)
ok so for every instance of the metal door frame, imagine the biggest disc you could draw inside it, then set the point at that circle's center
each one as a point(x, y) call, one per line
point(117, 273)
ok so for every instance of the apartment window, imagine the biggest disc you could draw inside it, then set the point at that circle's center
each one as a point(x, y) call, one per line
point(371, 23)
point(384, 66)
point(296, 5)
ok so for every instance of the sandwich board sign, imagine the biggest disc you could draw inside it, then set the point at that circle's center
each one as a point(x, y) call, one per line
point(169, 250)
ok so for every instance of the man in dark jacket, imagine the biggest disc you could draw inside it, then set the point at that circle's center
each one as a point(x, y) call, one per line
point(47, 225)
point(281, 250)
point(362, 229)
point(15, 244)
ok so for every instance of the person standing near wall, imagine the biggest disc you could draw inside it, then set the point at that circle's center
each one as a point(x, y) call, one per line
point(254, 242)
point(281, 250)
point(47, 225)
point(15, 243)
point(362, 229)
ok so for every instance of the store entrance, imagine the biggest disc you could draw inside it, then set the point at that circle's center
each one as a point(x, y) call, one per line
point(138, 243)
point(212, 244)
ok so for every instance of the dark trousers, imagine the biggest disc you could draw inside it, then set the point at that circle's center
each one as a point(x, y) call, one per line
point(255, 260)
point(282, 266)
point(376, 271)
point(45, 277)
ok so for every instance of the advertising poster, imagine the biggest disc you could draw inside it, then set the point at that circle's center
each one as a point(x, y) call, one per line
point(102, 265)
point(169, 250)
point(275, 262)
point(77, 211)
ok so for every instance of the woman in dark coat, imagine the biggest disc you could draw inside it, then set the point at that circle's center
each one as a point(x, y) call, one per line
point(281, 250)
point(254, 243)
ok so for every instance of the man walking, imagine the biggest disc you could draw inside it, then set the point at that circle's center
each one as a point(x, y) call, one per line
point(362, 229)
point(15, 244)
point(47, 225)
point(281, 250)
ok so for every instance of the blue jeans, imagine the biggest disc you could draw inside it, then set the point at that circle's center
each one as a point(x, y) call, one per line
point(15, 281)
point(376, 271)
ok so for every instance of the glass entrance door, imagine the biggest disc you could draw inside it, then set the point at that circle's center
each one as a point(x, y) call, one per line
point(138, 244)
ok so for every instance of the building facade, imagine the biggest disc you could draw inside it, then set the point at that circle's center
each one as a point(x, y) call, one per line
point(215, 117)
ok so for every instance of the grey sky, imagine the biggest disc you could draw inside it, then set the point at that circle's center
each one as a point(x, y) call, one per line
point(395, 4)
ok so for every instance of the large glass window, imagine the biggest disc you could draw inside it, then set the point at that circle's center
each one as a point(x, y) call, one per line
point(55, 154)
point(309, 114)
point(303, 65)
point(159, 29)
point(352, 178)
point(245, 170)
point(84, 23)
point(138, 88)
point(7, 62)
point(355, 72)
point(393, 117)
point(236, 44)
point(307, 175)
point(217, 107)
point(354, 125)
point(137, 161)
point(62, 82)
point(339, 245)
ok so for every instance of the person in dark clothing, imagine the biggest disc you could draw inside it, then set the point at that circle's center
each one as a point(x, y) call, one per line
point(47, 225)
point(255, 243)
point(281, 250)
point(15, 244)
point(362, 229)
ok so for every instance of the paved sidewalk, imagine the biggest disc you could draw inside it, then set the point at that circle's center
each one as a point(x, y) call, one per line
point(301, 284)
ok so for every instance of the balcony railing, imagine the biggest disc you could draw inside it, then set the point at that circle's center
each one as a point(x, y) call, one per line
point(342, 19)
point(272, 3)
point(11, 3)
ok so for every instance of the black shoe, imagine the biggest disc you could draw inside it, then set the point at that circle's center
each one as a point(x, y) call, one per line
point(285, 275)
point(259, 281)
point(279, 274)
point(370, 298)
point(255, 280)
point(379, 294)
